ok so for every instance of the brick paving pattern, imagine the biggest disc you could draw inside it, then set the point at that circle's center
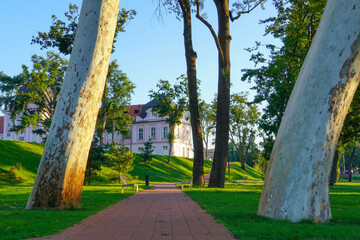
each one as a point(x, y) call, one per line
point(163, 212)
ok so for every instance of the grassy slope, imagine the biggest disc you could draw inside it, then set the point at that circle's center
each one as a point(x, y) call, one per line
point(179, 169)
point(12, 152)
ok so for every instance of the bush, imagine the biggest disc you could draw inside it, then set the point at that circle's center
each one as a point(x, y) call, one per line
point(146, 152)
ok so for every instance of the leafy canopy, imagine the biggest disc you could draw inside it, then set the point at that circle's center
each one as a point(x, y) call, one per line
point(31, 96)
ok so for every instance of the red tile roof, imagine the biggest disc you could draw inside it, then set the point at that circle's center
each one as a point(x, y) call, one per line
point(2, 124)
point(135, 110)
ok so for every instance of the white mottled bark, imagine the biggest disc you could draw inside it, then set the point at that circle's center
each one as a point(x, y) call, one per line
point(60, 176)
point(296, 184)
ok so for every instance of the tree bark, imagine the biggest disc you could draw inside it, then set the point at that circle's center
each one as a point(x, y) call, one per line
point(190, 54)
point(113, 128)
point(60, 177)
point(350, 163)
point(334, 167)
point(217, 176)
point(297, 178)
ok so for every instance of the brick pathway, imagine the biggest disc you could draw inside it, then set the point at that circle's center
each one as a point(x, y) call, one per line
point(163, 212)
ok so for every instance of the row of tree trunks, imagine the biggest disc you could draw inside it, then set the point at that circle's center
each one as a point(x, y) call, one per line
point(60, 177)
point(297, 179)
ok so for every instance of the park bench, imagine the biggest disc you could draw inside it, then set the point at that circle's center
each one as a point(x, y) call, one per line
point(126, 184)
point(189, 182)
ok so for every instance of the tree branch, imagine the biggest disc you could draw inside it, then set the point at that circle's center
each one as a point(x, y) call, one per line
point(217, 42)
point(243, 12)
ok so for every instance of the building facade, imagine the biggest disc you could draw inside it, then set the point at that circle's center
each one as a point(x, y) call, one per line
point(149, 126)
point(27, 135)
point(146, 126)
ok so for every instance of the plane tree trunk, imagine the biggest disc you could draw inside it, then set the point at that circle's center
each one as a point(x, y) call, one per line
point(60, 177)
point(190, 54)
point(296, 186)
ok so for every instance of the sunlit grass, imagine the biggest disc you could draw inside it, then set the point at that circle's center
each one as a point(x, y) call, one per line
point(235, 206)
point(18, 223)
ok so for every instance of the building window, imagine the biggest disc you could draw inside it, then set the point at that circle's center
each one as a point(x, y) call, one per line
point(183, 152)
point(166, 150)
point(188, 153)
point(166, 132)
point(21, 138)
point(187, 135)
point(153, 133)
point(9, 124)
point(8, 134)
point(141, 133)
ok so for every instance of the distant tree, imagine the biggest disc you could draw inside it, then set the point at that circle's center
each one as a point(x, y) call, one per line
point(170, 102)
point(95, 161)
point(243, 123)
point(115, 104)
point(146, 152)
point(222, 40)
point(208, 122)
point(62, 33)
point(31, 96)
point(60, 176)
point(120, 159)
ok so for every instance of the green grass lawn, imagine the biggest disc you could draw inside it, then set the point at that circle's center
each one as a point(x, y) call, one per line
point(18, 223)
point(236, 206)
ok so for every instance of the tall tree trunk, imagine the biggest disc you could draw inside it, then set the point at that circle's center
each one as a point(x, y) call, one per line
point(297, 178)
point(103, 123)
point(190, 54)
point(334, 168)
point(170, 150)
point(217, 176)
point(60, 177)
point(350, 163)
point(207, 148)
point(171, 137)
point(113, 129)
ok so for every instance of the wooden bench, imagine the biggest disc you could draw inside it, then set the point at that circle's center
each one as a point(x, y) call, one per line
point(189, 182)
point(126, 184)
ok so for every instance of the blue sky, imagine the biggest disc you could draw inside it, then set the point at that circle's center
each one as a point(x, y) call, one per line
point(149, 50)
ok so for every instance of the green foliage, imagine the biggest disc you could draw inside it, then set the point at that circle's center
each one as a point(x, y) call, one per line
point(120, 159)
point(243, 122)
point(115, 103)
point(350, 132)
point(95, 161)
point(32, 95)
point(170, 102)
point(295, 25)
point(207, 114)
point(62, 33)
point(146, 152)
point(261, 163)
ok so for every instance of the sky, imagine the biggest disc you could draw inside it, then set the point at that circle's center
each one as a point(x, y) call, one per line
point(151, 48)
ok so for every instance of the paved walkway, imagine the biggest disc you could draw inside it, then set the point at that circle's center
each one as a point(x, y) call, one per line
point(163, 212)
